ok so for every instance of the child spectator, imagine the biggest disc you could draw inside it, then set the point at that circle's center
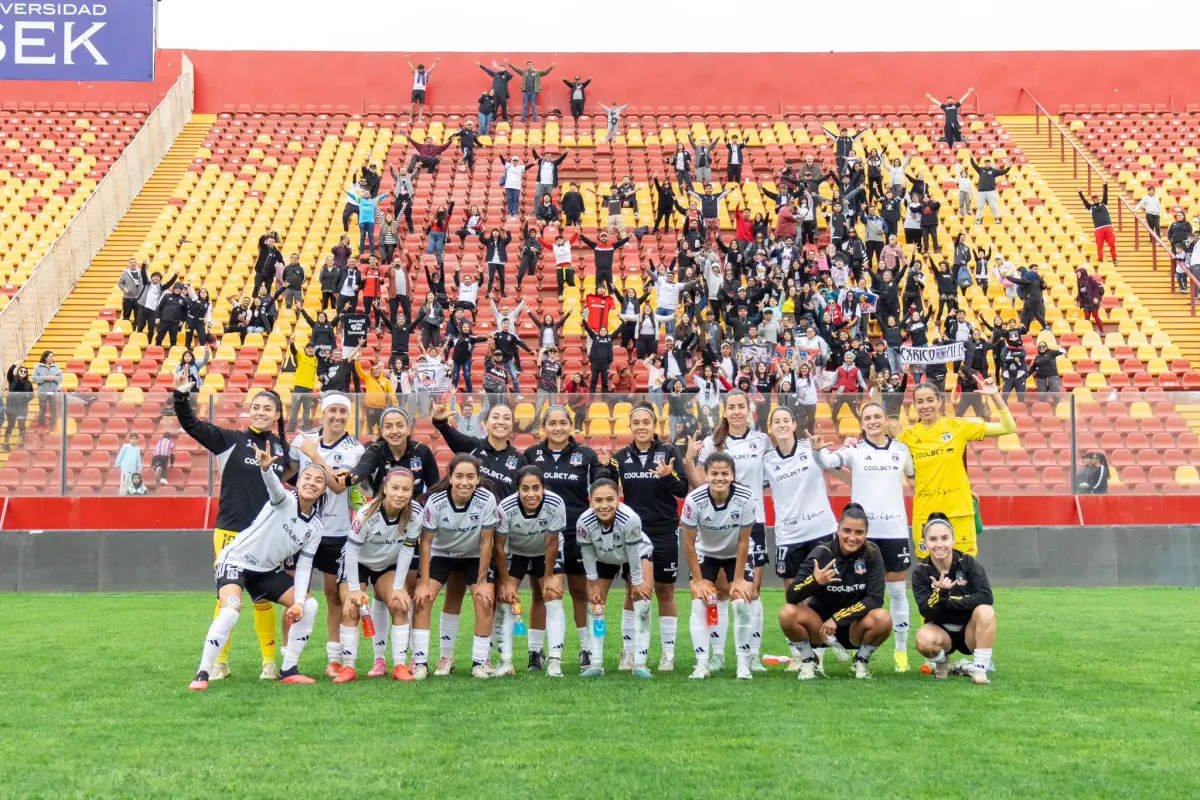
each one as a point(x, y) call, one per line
point(164, 457)
point(129, 461)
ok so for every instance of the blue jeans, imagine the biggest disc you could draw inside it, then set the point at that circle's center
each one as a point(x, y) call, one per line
point(894, 362)
point(485, 122)
point(530, 102)
point(465, 371)
point(436, 244)
point(514, 373)
point(513, 196)
point(667, 317)
point(366, 230)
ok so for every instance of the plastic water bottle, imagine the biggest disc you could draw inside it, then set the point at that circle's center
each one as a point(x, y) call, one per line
point(364, 613)
point(710, 609)
point(776, 661)
point(833, 644)
point(518, 619)
point(598, 619)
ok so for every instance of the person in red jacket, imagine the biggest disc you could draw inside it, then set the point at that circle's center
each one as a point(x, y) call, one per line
point(745, 226)
point(785, 222)
point(849, 383)
point(597, 307)
point(371, 293)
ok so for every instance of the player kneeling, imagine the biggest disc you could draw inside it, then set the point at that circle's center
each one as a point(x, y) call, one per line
point(717, 519)
point(379, 550)
point(837, 597)
point(955, 600)
point(253, 562)
point(611, 541)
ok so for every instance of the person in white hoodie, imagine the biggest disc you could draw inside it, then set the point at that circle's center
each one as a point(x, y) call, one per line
point(514, 172)
point(153, 289)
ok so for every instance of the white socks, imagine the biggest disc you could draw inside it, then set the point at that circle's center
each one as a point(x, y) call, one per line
point(627, 644)
point(298, 635)
point(400, 643)
point(217, 636)
point(641, 632)
point(983, 658)
point(333, 652)
point(556, 627)
point(802, 650)
point(420, 646)
point(349, 637)
point(898, 600)
point(537, 640)
point(698, 627)
point(448, 633)
point(721, 631)
point(743, 629)
point(585, 636)
point(756, 627)
point(667, 628)
point(379, 613)
point(596, 643)
point(480, 646)
point(865, 651)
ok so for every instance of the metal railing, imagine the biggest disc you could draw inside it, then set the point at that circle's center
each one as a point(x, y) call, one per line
point(1141, 227)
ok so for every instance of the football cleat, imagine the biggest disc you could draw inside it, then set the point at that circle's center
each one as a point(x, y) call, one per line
point(444, 667)
point(861, 669)
point(716, 663)
point(554, 668)
point(793, 665)
point(346, 675)
point(504, 671)
point(807, 670)
point(219, 672)
point(700, 673)
point(480, 671)
point(269, 672)
point(756, 664)
point(666, 663)
point(378, 668)
point(743, 670)
point(901, 659)
point(643, 673)
point(536, 661)
point(980, 678)
point(419, 672)
point(585, 659)
point(200, 683)
point(626, 662)
point(295, 678)
point(592, 672)
point(402, 673)
point(333, 669)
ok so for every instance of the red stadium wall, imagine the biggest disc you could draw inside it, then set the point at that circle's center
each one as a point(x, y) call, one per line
point(358, 80)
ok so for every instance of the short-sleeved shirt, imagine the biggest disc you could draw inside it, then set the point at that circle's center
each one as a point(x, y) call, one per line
point(718, 526)
point(526, 533)
point(381, 539)
point(941, 482)
point(951, 110)
point(457, 529)
point(342, 454)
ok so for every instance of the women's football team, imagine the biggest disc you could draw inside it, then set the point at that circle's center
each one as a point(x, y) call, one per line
point(591, 515)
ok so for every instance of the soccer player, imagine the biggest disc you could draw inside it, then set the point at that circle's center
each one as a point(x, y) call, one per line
point(716, 521)
point(569, 469)
point(955, 600)
point(243, 493)
point(647, 471)
point(379, 550)
point(337, 452)
point(457, 535)
point(288, 524)
point(611, 541)
point(532, 523)
point(878, 464)
point(937, 444)
point(735, 435)
point(838, 595)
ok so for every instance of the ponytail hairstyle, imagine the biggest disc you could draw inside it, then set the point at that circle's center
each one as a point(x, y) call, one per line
point(653, 412)
point(601, 483)
point(721, 433)
point(376, 504)
point(281, 431)
point(855, 511)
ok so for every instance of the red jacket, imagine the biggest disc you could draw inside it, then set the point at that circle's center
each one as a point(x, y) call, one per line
point(847, 380)
point(785, 223)
point(745, 229)
point(596, 310)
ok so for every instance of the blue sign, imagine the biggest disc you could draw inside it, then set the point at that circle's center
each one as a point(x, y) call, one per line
point(78, 41)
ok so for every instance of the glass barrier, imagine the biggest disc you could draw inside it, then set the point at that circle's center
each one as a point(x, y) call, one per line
point(131, 443)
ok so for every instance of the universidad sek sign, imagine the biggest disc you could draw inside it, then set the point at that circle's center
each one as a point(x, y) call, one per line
point(111, 41)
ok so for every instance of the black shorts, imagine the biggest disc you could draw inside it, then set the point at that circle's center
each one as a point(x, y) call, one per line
point(270, 585)
point(533, 566)
point(609, 572)
point(758, 546)
point(896, 555)
point(789, 557)
point(366, 575)
point(843, 628)
point(328, 558)
point(571, 556)
point(442, 567)
point(958, 640)
point(710, 568)
point(665, 557)
point(418, 96)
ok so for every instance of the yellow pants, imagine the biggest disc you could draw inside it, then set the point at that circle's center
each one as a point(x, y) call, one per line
point(965, 539)
point(264, 613)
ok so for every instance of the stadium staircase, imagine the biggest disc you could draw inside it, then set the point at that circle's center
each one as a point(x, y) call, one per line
point(75, 319)
point(1153, 287)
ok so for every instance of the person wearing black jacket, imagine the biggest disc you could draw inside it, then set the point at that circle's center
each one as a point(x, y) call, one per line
point(1180, 232)
point(893, 212)
point(600, 356)
point(395, 448)
point(929, 224)
point(1045, 369)
point(650, 474)
point(568, 469)
point(400, 330)
point(546, 212)
point(468, 140)
point(972, 372)
point(487, 111)
point(1102, 223)
point(340, 373)
point(947, 290)
point(578, 93)
point(198, 308)
point(838, 594)
point(329, 285)
point(1032, 287)
point(20, 395)
point(500, 78)
point(665, 204)
point(264, 265)
point(605, 250)
point(499, 458)
point(496, 247)
point(545, 168)
point(459, 347)
point(508, 344)
point(323, 338)
point(954, 598)
point(1093, 478)
point(572, 205)
point(172, 313)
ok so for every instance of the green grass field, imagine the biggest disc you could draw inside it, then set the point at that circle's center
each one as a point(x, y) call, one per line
point(1095, 697)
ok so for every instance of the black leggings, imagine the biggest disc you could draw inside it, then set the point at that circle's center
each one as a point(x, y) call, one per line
point(874, 251)
point(626, 335)
point(946, 303)
point(663, 217)
point(875, 187)
point(929, 236)
point(576, 108)
point(600, 373)
point(403, 205)
point(528, 266)
point(496, 271)
point(808, 231)
point(647, 345)
point(19, 423)
point(328, 300)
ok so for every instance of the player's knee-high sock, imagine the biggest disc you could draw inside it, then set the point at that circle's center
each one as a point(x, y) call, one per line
point(698, 625)
point(348, 639)
point(400, 643)
point(585, 638)
point(537, 640)
point(265, 627)
point(983, 658)
point(420, 646)
point(756, 627)
point(448, 630)
point(721, 631)
point(595, 642)
point(380, 612)
point(333, 652)
point(504, 616)
point(218, 637)
point(743, 627)
point(668, 627)
point(641, 632)
point(627, 615)
point(556, 627)
point(898, 599)
point(298, 635)
point(480, 646)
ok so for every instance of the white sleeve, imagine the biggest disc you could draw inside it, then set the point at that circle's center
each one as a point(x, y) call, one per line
point(588, 551)
point(350, 563)
point(633, 552)
point(830, 461)
point(688, 517)
point(304, 564)
point(274, 488)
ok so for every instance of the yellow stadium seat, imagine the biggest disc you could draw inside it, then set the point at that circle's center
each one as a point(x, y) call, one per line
point(1186, 476)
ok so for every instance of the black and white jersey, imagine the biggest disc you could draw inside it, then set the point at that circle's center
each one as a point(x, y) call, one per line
point(747, 452)
point(526, 533)
point(622, 542)
point(457, 529)
point(342, 454)
point(568, 473)
point(378, 460)
point(718, 526)
point(656, 499)
point(802, 510)
point(380, 543)
point(876, 483)
point(278, 533)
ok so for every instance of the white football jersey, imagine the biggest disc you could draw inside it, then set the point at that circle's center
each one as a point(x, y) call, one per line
point(525, 534)
point(747, 452)
point(718, 527)
point(378, 542)
point(279, 532)
point(877, 484)
point(802, 510)
point(456, 530)
point(342, 454)
point(623, 542)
